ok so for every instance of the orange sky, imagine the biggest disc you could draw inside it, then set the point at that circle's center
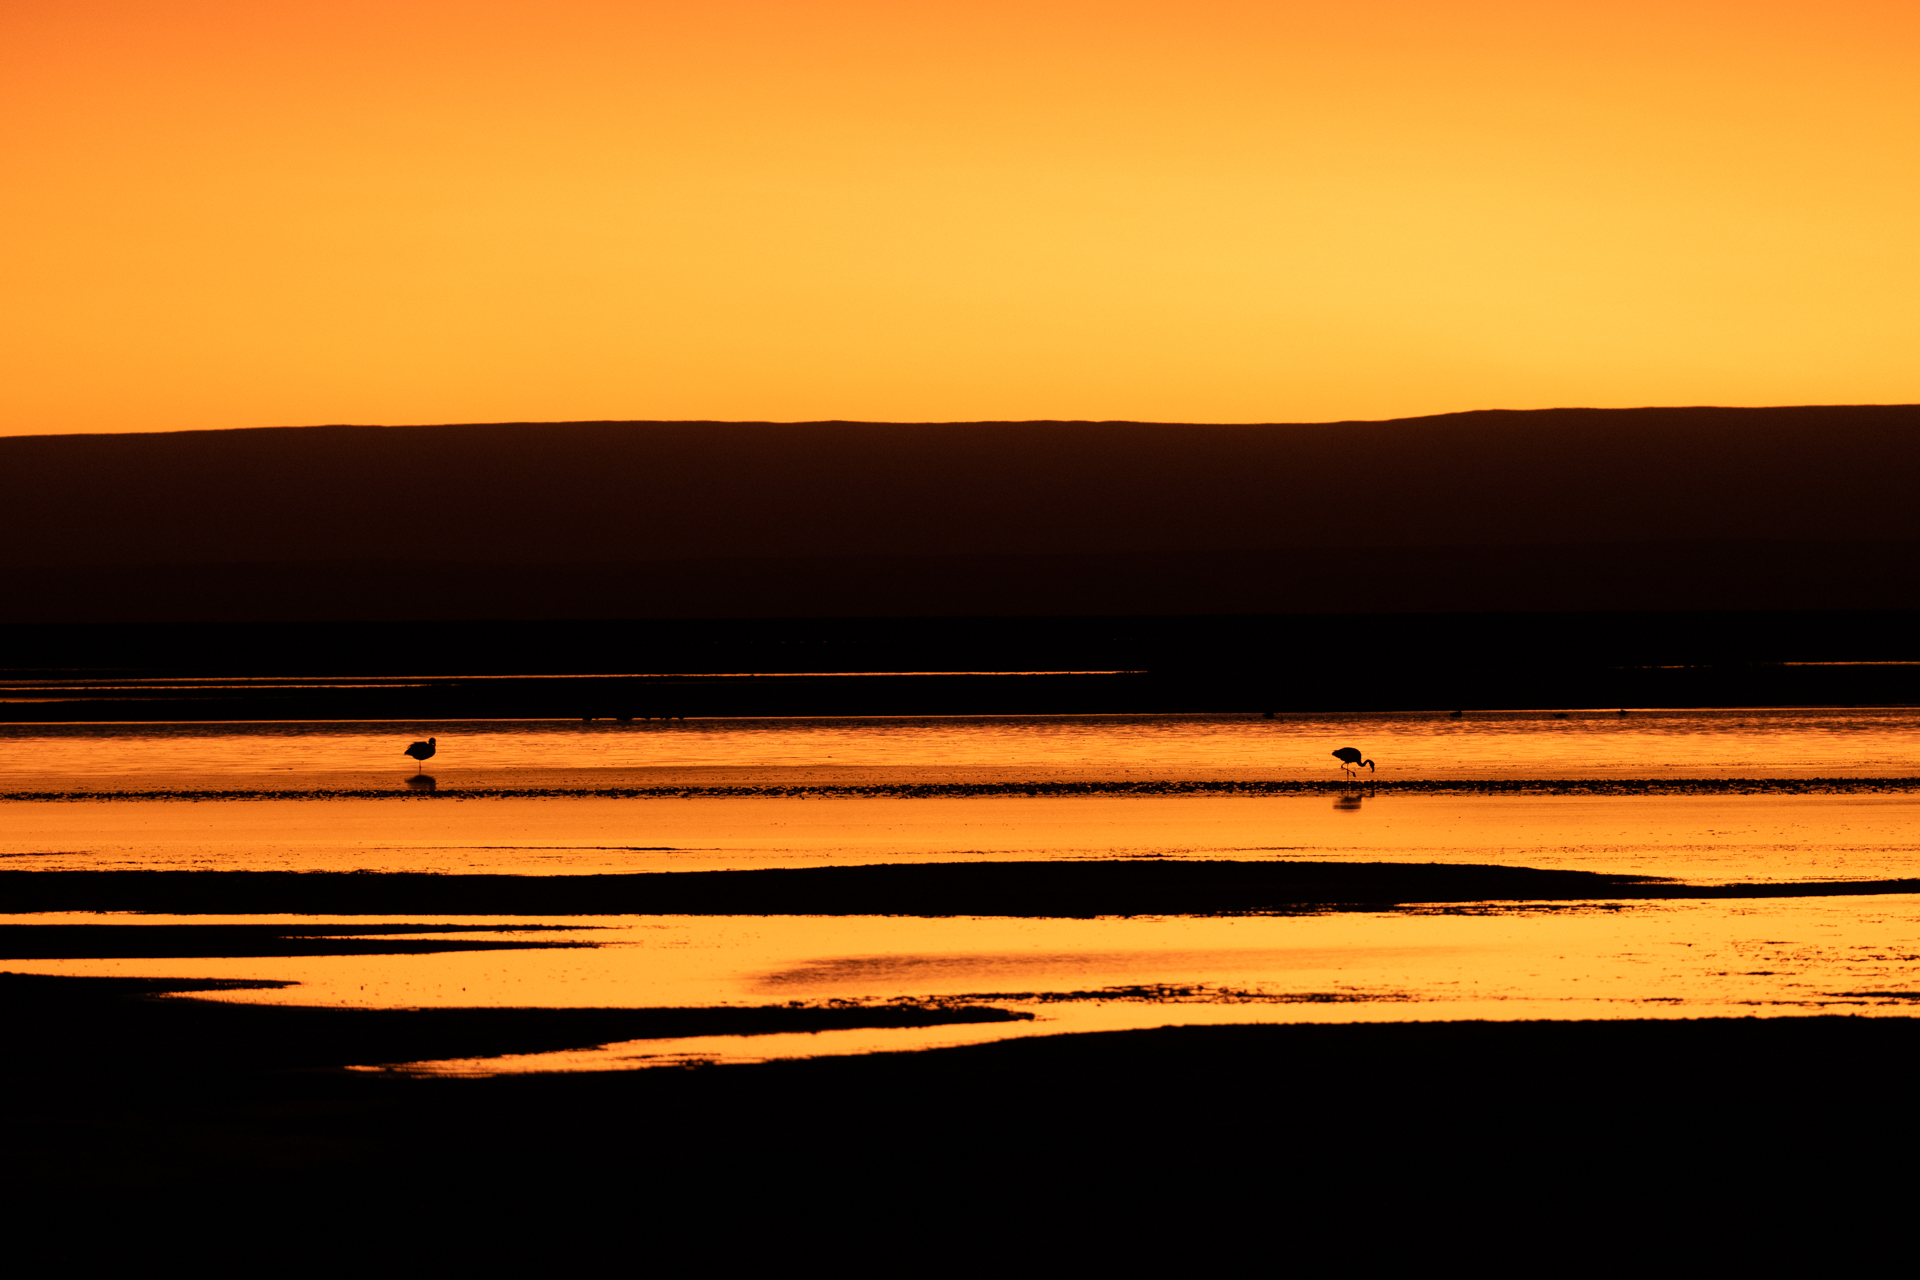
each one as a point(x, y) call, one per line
point(223, 214)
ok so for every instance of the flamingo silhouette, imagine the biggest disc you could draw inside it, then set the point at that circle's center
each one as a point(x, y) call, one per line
point(421, 751)
point(1349, 758)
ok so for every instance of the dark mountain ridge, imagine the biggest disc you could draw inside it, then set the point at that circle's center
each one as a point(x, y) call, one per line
point(1564, 509)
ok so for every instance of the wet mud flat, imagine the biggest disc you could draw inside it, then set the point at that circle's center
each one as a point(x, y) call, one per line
point(137, 1120)
point(1486, 1139)
point(123, 1026)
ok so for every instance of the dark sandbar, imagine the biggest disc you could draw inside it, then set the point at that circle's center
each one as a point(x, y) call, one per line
point(1036, 889)
point(114, 1026)
point(178, 941)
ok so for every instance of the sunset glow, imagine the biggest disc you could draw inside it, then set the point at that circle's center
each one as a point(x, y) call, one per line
point(226, 215)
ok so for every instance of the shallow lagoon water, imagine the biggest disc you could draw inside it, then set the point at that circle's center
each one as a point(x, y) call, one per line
point(1791, 743)
point(1722, 838)
point(1568, 960)
point(1560, 960)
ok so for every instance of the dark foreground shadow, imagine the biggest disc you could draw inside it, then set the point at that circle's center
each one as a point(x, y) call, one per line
point(1477, 1142)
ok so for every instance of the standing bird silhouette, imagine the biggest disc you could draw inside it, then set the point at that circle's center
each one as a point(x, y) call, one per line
point(1349, 758)
point(423, 751)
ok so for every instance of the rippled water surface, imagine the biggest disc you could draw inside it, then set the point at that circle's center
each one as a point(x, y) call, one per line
point(1717, 838)
point(1794, 743)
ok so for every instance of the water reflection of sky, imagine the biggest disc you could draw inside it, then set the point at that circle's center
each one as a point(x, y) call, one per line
point(1658, 744)
point(1671, 958)
point(1719, 838)
point(1664, 959)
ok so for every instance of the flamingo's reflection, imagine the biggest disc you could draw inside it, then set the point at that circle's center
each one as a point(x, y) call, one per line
point(421, 782)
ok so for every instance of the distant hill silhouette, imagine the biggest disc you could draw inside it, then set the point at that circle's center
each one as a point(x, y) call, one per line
point(1565, 509)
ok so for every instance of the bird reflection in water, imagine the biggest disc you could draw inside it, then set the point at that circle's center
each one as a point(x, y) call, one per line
point(1348, 799)
point(421, 782)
